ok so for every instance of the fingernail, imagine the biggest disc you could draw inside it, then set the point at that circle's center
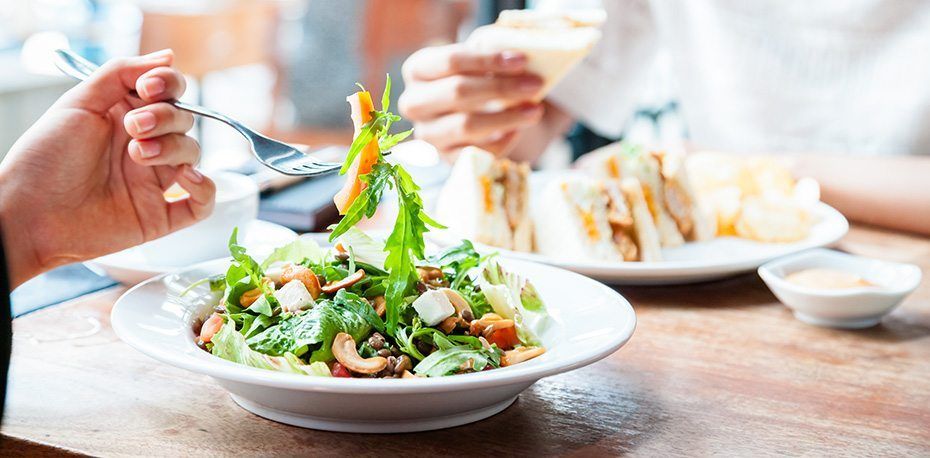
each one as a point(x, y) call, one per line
point(143, 121)
point(510, 59)
point(193, 175)
point(153, 86)
point(158, 54)
point(149, 149)
point(529, 84)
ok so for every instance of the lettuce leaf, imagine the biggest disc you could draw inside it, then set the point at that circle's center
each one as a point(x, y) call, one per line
point(295, 252)
point(316, 328)
point(230, 345)
point(515, 298)
point(365, 248)
point(450, 360)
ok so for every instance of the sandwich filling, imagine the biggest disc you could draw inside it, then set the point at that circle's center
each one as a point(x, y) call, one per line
point(507, 179)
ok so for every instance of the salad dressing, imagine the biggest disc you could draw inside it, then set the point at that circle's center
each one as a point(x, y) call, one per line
point(823, 278)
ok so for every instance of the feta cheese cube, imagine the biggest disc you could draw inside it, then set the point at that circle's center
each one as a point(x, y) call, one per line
point(433, 307)
point(275, 270)
point(294, 297)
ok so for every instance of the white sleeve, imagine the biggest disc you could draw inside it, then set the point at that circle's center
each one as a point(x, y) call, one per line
point(602, 90)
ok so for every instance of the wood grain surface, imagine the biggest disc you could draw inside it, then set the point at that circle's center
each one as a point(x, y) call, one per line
point(716, 368)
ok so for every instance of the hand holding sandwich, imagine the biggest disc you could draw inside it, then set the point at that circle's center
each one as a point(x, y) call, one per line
point(457, 97)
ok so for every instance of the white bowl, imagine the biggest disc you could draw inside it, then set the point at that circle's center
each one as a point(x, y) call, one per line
point(592, 321)
point(236, 204)
point(132, 266)
point(850, 308)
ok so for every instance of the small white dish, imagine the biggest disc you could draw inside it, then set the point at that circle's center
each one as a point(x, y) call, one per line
point(848, 308)
point(592, 321)
point(132, 266)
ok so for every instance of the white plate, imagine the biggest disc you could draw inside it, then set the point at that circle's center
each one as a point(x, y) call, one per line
point(130, 266)
point(692, 262)
point(592, 321)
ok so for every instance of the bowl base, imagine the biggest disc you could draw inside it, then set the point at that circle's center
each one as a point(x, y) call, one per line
point(361, 426)
point(861, 323)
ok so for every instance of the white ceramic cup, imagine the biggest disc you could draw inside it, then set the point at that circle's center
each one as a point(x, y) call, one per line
point(236, 205)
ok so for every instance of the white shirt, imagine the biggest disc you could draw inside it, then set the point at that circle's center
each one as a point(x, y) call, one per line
point(768, 75)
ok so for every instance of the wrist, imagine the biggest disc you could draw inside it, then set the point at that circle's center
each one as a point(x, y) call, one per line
point(22, 262)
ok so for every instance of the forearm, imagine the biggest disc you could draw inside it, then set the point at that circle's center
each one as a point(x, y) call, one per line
point(533, 141)
point(21, 262)
point(892, 192)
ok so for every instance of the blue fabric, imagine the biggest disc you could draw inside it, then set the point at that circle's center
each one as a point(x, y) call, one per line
point(56, 286)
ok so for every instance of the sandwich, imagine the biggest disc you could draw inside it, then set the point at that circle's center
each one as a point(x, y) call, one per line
point(553, 42)
point(596, 220)
point(673, 205)
point(487, 200)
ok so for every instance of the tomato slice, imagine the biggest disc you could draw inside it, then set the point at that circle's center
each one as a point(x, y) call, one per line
point(505, 338)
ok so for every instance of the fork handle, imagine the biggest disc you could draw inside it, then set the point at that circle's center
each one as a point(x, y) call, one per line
point(80, 69)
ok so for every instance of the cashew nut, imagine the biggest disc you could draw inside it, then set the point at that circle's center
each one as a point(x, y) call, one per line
point(331, 288)
point(520, 354)
point(462, 309)
point(345, 352)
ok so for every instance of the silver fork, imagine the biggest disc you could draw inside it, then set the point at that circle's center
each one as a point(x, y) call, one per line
point(273, 154)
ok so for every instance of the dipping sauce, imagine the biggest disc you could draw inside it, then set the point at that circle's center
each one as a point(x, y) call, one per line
point(827, 279)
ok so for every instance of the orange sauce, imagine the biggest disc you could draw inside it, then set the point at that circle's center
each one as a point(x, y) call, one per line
point(827, 279)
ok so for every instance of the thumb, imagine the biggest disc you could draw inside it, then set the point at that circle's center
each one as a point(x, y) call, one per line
point(113, 81)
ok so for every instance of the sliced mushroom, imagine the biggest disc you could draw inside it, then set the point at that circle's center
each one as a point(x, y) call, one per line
point(449, 324)
point(431, 275)
point(305, 275)
point(462, 309)
point(380, 305)
point(520, 354)
point(345, 352)
point(332, 287)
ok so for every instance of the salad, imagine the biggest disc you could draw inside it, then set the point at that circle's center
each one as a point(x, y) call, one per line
point(368, 308)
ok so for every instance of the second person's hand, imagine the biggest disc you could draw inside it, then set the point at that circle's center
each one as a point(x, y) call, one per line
point(457, 97)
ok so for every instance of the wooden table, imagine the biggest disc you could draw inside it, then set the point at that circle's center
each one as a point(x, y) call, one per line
point(716, 368)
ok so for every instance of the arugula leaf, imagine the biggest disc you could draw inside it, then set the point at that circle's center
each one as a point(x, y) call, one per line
point(244, 274)
point(405, 243)
point(365, 205)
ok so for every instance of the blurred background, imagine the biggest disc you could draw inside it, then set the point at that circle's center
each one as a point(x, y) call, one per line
point(281, 66)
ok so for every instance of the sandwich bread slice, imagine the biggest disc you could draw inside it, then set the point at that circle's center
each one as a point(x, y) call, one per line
point(553, 42)
point(618, 161)
point(595, 220)
point(487, 200)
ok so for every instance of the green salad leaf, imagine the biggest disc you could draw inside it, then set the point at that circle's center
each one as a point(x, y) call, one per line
point(316, 328)
point(296, 252)
point(230, 345)
point(514, 297)
point(405, 243)
point(459, 358)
